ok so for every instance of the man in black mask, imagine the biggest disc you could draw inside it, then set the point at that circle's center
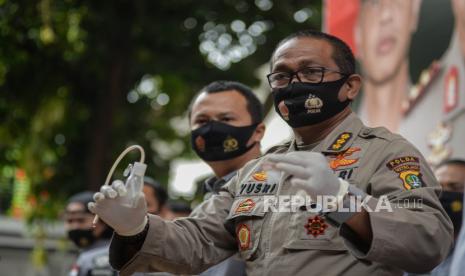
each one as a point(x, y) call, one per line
point(226, 122)
point(451, 176)
point(93, 242)
point(333, 156)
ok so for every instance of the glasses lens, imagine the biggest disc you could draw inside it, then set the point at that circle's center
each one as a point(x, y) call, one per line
point(279, 79)
point(312, 75)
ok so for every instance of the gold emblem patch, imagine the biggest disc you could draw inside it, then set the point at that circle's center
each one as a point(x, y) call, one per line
point(243, 236)
point(340, 141)
point(313, 104)
point(245, 206)
point(230, 144)
point(260, 176)
point(456, 206)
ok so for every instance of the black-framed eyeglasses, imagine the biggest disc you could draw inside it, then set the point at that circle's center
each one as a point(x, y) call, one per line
point(306, 74)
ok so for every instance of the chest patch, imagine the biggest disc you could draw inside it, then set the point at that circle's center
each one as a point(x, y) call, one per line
point(344, 159)
point(259, 183)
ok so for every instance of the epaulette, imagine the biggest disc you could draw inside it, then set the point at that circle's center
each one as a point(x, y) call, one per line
point(279, 147)
point(417, 91)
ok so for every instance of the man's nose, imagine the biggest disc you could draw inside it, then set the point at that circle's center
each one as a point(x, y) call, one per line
point(294, 78)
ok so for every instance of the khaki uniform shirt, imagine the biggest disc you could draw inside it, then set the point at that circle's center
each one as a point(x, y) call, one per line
point(414, 237)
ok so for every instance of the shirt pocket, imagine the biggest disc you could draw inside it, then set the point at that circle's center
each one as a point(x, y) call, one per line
point(247, 214)
point(309, 231)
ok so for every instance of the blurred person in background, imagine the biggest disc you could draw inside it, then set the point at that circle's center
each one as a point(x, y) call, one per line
point(155, 196)
point(456, 183)
point(93, 242)
point(451, 176)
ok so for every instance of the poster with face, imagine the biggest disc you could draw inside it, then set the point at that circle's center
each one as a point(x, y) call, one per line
point(411, 55)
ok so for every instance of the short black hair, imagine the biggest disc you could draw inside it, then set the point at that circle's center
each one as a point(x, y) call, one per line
point(82, 197)
point(254, 106)
point(342, 54)
point(160, 193)
point(454, 161)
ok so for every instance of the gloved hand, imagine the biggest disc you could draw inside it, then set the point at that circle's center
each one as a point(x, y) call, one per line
point(310, 172)
point(113, 206)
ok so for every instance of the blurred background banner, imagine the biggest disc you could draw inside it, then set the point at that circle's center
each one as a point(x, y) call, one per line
point(411, 55)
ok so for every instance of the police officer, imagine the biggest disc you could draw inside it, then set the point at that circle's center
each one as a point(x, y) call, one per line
point(93, 242)
point(333, 155)
point(434, 117)
point(226, 120)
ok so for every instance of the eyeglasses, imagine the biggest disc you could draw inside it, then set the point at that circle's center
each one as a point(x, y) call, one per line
point(307, 74)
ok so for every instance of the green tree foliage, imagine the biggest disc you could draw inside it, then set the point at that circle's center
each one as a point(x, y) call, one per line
point(82, 79)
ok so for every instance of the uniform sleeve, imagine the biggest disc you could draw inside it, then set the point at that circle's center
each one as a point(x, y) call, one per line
point(415, 234)
point(188, 245)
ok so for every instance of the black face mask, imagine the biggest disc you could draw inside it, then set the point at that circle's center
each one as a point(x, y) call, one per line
point(81, 237)
point(452, 203)
point(308, 103)
point(217, 141)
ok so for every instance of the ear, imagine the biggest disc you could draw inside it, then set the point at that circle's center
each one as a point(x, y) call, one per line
point(259, 133)
point(352, 87)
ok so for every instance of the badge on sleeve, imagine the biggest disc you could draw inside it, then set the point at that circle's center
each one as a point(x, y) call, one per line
point(243, 236)
point(408, 170)
point(245, 206)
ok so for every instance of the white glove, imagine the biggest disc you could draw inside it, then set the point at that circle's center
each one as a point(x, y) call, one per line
point(125, 213)
point(310, 172)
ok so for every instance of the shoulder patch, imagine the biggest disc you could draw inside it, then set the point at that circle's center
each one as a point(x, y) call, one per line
point(408, 170)
point(278, 148)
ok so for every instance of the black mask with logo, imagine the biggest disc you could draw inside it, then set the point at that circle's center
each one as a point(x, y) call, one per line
point(82, 238)
point(216, 141)
point(309, 103)
point(452, 202)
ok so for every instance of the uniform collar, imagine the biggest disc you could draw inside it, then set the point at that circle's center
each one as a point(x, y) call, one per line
point(213, 184)
point(341, 138)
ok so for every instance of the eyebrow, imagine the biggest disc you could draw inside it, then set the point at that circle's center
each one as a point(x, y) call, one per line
point(199, 115)
point(301, 63)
